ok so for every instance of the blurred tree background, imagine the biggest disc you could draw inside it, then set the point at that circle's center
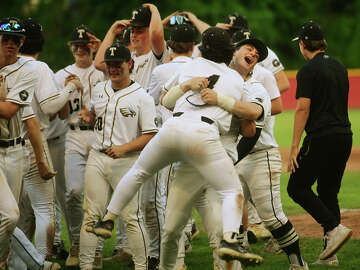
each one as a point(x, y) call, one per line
point(275, 22)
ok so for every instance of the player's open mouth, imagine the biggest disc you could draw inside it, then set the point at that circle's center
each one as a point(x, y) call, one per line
point(248, 59)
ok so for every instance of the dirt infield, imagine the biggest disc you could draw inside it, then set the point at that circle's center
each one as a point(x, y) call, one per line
point(352, 165)
point(306, 226)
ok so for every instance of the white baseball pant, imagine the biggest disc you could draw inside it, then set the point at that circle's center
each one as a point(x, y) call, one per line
point(30, 258)
point(102, 175)
point(11, 168)
point(259, 173)
point(57, 152)
point(197, 143)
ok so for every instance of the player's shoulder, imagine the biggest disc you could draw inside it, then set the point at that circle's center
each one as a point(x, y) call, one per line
point(65, 71)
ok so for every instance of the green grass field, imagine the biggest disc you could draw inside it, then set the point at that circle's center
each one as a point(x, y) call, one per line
point(349, 255)
point(285, 122)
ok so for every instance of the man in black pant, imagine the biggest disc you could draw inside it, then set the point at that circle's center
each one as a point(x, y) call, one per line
point(322, 94)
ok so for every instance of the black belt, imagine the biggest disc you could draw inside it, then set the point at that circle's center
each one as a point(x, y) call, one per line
point(54, 139)
point(73, 127)
point(203, 118)
point(7, 143)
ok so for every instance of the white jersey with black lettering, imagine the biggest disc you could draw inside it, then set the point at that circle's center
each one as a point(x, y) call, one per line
point(45, 91)
point(272, 62)
point(89, 77)
point(144, 65)
point(20, 80)
point(121, 116)
point(78, 140)
point(229, 84)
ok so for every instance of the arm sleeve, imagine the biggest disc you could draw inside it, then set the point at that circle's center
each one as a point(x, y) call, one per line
point(304, 86)
point(246, 144)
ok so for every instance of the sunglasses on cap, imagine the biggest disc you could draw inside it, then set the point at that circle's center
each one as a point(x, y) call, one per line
point(8, 27)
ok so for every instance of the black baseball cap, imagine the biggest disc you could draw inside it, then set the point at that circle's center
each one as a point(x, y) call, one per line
point(215, 38)
point(11, 26)
point(183, 33)
point(310, 31)
point(117, 53)
point(237, 21)
point(79, 34)
point(141, 17)
point(33, 29)
point(245, 36)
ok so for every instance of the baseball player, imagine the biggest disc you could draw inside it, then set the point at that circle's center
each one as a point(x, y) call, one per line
point(192, 137)
point(80, 135)
point(267, 79)
point(260, 170)
point(149, 50)
point(181, 42)
point(18, 80)
point(124, 116)
point(47, 101)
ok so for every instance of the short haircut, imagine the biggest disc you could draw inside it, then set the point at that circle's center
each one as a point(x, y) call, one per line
point(314, 45)
point(224, 56)
point(180, 47)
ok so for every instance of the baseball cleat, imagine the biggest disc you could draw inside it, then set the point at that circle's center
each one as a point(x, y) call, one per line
point(259, 230)
point(234, 251)
point(298, 267)
point(73, 259)
point(153, 263)
point(272, 247)
point(59, 252)
point(119, 255)
point(334, 240)
point(51, 266)
point(331, 261)
point(102, 228)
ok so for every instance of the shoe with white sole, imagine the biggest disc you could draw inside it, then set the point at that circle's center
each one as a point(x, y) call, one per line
point(334, 240)
point(298, 267)
point(234, 251)
point(332, 261)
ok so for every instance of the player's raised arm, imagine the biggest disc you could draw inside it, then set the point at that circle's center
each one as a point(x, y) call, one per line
point(115, 29)
point(156, 31)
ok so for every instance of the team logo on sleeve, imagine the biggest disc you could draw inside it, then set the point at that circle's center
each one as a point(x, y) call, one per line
point(23, 95)
point(126, 112)
point(276, 63)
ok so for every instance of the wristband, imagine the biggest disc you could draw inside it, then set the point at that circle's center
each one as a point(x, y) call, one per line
point(225, 102)
point(172, 96)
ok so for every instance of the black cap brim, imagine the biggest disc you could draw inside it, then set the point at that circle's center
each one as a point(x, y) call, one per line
point(258, 44)
point(19, 34)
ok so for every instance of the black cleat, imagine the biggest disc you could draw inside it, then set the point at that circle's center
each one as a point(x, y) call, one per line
point(153, 263)
point(251, 237)
point(102, 228)
point(59, 252)
point(234, 251)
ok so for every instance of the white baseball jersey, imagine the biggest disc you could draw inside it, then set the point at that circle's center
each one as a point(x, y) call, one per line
point(89, 77)
point(268, 81)
point(160, 75)
point(144, 65)
point(255, 89)
point(57, 128)
point(20, 80)
point(229, 84)
point(272, 62)
point(45, 90)
point(79, 140)
point(121, 116)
